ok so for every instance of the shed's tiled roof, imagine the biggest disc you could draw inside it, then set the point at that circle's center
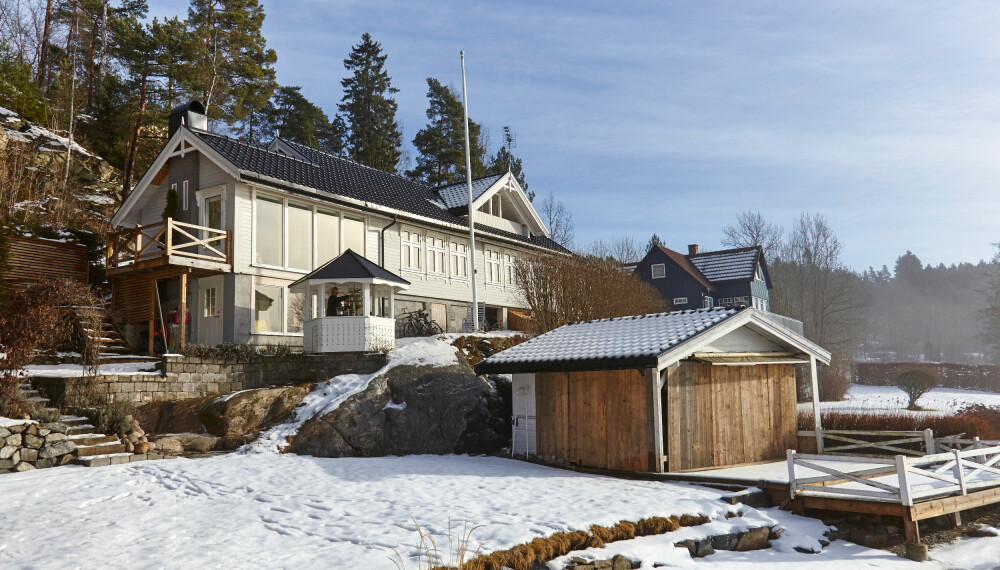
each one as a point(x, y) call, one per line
point(727, 265)
point(632, 339)
point(457, 195)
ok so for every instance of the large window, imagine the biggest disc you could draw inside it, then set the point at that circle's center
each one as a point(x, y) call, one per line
point(510, 267)
point(411, 250)
point(459, 260)
point(270, 233)
point(492, 266)
point(300, 255)
point(437, 255)
point(327, 236)
point(267, 308)
point(296, 311)
point(354, 235)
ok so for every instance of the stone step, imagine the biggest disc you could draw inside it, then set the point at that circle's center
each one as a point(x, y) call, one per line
point(85, 439)
point(100, 449)
point(80, 428)
point(73, 420)
point(37, 399)
point(31, 392)
point(119, 459)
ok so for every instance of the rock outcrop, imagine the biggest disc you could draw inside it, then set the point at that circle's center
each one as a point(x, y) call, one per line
point(414, 410)
point(231, 420)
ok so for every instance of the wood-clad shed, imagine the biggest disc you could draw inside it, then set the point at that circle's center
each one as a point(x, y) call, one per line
point(663, 392)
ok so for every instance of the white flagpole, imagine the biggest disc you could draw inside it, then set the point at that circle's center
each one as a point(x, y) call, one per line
point(468, 179)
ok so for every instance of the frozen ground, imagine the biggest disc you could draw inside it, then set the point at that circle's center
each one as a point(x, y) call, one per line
point(76, 370)
point(889, 398)
point(272, 510)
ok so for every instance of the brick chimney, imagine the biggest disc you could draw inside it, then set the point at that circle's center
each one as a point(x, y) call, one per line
point(693, 249)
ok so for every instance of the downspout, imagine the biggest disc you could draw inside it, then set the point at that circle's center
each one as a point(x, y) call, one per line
point(381, 253)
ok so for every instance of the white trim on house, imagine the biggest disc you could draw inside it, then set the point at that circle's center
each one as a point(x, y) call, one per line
point(510, 183)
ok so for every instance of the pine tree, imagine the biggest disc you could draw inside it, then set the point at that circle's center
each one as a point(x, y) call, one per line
point(298, 119)
point(654, 241)
point(441, 143)
point(373, 137)
point(232, 70)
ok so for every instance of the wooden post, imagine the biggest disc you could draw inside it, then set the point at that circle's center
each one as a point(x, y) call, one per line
point(817, 422)
point(654, 420)
point(366, 299)
point(183, 310)
point(229, 246)
point(152, 314)
point(790, 458)
point(392, 302)
point(322, 301)
point(929, 445)
point(170, 236)
point(904, 481)
point(959, 472)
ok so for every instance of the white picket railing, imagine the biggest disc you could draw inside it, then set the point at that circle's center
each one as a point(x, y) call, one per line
point(955, 472)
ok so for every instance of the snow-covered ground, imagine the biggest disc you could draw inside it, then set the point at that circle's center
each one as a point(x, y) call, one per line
point(279, 510)
point(77, 370)
point(942, 401)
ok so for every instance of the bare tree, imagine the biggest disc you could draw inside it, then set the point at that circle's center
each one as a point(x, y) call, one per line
point(751, 229)
point(559, 220)
point(623, 249)
point(813, 285)
point(561, 289)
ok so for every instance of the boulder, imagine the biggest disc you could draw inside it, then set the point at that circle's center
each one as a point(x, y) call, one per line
point(7, 463)
point(30, 455)
point(33, 441)
point(414, 410)
point(17, 428)
point(141, 448)
point(247, 412)
point(169, 446)
point(22, 466)
point(8, 451)
point(14, 439)
point(4, 433)
point(56, 427)
point(57, 449)
point(56, 437)
point(196, 443)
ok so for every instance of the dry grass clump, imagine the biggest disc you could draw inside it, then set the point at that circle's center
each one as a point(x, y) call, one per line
point(542, 550)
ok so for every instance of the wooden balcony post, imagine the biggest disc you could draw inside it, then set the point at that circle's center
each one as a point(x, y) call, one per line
point(229, 246)
point(183, 310)
point(170, 236)
point(152, 314)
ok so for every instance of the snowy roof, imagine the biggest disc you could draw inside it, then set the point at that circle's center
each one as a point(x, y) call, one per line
point(350, 266)
point(727, 265)
point(619, 342)
point(457, 195)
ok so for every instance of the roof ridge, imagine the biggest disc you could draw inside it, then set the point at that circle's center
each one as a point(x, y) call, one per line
point(254, 146)
point(716, 308)
point(730, 250)
point(443, 186)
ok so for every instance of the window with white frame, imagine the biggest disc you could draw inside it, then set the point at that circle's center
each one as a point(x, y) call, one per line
point(327, 236)
point(268, 302)
point(437, 255)
point(492, 266)
point(354, 234)
point(300, 240)
point(460, 260)
point(270, 233)
point(680, 301)
point(411, 250)
point(510, 268)
point(184, 195)
point(209, 308)
point(284, 234)
point(659, 271)
point(707, 302)
point(726, 301)
point(173, 188)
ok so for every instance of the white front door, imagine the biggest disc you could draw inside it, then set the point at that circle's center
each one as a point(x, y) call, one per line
point(210, 310)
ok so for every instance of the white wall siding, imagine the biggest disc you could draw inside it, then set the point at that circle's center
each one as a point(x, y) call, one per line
point(242, 229)
point(209, 174)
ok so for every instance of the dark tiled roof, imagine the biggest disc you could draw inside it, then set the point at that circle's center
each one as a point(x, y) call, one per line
point(635, 339)
point(339, 176)
point(682, 261)
point(350, 265)
point(456, 196)
point(727, 265)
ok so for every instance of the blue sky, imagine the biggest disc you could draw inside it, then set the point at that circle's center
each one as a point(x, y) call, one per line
point(673, 117)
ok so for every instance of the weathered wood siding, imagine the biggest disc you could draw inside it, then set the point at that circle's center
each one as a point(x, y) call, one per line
point(34, 259)
point(595, 419)
point(727, 415)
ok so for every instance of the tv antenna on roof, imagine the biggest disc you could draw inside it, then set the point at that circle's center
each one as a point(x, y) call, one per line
point(511, 141)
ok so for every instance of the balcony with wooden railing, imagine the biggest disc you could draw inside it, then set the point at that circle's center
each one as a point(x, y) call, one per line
point(169, 243)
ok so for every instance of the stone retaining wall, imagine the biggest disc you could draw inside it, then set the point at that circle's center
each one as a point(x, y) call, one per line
point(28, 446)
point(190, 377)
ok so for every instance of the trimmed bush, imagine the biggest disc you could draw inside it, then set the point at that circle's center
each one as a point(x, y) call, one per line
point(916, 382)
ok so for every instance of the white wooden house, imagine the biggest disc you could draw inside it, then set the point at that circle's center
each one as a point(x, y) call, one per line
point(251, 220)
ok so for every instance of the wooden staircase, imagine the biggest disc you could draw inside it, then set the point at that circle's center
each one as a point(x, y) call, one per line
point(107, 335)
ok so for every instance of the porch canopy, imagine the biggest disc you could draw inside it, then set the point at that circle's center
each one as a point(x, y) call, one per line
point(362, 324)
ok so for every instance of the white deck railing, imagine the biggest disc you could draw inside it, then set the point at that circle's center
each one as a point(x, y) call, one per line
point(898, 479)
point(348, 334)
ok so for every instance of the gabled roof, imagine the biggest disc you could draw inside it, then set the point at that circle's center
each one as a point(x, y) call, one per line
point(682, 261)
point(655, 340)
point(457, 195)
point(352, 266)
point(727, 265)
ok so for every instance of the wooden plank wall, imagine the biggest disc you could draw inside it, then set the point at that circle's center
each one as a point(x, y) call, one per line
point(595, 419)
point(131, 298)
point(34, 259)
point(727, 415)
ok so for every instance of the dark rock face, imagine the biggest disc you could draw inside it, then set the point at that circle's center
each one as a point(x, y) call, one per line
point(414, 410)
point(234, 420)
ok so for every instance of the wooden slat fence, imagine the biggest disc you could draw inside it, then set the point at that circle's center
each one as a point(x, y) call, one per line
point(35, 259)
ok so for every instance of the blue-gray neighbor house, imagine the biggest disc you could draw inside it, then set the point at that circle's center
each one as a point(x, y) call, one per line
point(726, 278)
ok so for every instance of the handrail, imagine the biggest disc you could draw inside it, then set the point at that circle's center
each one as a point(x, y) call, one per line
point(168, 238)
